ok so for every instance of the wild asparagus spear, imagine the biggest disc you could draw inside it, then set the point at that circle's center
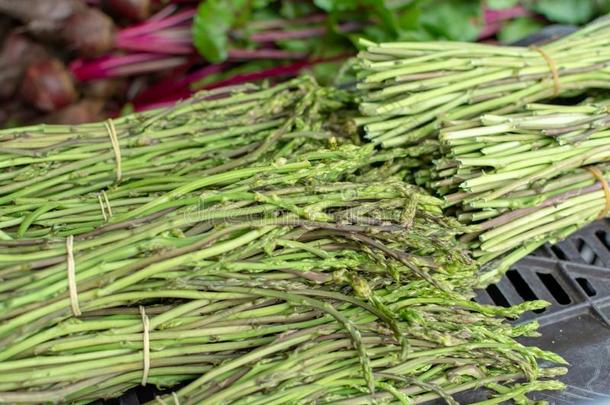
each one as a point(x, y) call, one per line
point(410, 89)
point(311, 283)
point(54, 177)
point(524, 179)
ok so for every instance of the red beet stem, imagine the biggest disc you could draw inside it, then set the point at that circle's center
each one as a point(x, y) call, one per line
point(494, 20)
point(172, 89)
point(152, 26)
point(250, 54)
point(175, 41)
point(123, 65)
point(146, 100)
point(492, 16)
point(164, 12)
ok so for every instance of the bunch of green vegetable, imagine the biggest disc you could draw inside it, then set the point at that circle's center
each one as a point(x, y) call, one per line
point(64, 179)
point(304, 284)
point(410, 90)
point(524, 178)
point(247, 244)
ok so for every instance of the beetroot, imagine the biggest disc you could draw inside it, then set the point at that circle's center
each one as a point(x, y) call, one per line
point(136, 10)
point(104, 88)
point(90, 32)
point(41, 14)
point(48, 86)
point(18, 51)
point(84, 29)
point(86, 110)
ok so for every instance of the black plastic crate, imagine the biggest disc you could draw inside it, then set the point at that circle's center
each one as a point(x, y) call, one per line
point(574, 275)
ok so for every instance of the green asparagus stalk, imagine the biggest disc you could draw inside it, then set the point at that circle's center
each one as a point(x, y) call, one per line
point(55, 176)
point(410, 89)
point(523, 179)
point(309, 283)
point(244, 247)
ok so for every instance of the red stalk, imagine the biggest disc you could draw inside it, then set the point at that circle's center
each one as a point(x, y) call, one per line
point(164, 12)
point(153, 24)
point(494, 19)
point(492, 16)
point(184, 87)
point(249, 54)
point(172, 89)
point(123, 65)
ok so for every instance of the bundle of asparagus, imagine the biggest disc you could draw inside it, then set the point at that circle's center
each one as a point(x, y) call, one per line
point(309, 282)
point(54, 176)
point(525, 178)
point(410, 88)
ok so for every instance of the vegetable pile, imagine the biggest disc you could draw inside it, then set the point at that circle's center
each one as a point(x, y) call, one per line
point(249, 249)
point(410, 89)
point(519, 172)
point(61, 175)
point(82, 52)
point(526, 178)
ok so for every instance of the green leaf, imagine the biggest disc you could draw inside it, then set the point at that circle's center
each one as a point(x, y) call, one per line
point(517, 29)
point(388, 20)
point(127, 109)
point(213, 21)
point(387, 17)
point(500, 4)
point(298, 45)
point(247, 67)
point(259, 4)
point(566, 11)
point(374, 33)
point(408, 19)
point(337, 5)
point(210, 28)
point(325, 73)
point(294, 9)
point(456, 20)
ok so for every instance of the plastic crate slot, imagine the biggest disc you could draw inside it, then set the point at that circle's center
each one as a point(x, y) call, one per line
point(554, 288)
point(604, 238)
point(540, 252)
point(586, 286)
point(496, 296)
point(522, 287)
point(587, 253)
point(558, 252)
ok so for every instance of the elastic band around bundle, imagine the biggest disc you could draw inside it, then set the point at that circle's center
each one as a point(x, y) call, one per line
point(602, 181)
point(72, 276)
point(552, 67)
point(145, 345)
point(114, 140)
